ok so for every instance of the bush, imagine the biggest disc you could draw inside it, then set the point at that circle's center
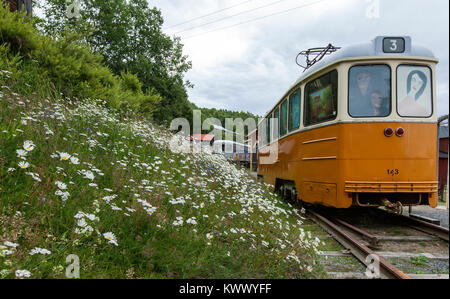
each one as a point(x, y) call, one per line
point(65, 64)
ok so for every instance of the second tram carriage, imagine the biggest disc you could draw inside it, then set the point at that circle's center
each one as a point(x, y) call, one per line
point(358, 128)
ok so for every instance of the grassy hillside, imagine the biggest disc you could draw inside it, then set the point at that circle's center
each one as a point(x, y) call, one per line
point(77, 179)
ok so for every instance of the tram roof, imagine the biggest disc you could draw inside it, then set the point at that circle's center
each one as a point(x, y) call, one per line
point(370, 49)
point(373, 48)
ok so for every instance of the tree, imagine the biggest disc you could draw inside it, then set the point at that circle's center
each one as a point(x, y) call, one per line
point(129, 36)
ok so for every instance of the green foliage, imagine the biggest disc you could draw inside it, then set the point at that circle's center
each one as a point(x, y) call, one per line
point(17, 31)
point(128, 35)
point(223, 114)
point(65, 64)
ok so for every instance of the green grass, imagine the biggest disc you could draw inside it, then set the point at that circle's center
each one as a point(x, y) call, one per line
point(420, 260)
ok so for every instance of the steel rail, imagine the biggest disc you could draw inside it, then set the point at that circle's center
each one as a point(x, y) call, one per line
point(423, 226)
point(429, 228)
point(373, 240)
point(360, 251)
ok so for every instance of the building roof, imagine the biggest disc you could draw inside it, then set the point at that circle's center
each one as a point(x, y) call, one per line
point(202, 137)
point(443, 132)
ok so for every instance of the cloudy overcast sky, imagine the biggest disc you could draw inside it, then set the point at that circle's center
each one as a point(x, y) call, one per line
point(249, 67)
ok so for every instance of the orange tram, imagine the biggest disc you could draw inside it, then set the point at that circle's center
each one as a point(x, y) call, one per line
point(359, 128)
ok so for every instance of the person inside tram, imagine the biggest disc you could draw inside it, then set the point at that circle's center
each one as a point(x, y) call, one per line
point(360, 94)
point(379, 107)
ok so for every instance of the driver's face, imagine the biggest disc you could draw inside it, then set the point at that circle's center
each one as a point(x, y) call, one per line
point(363, 80)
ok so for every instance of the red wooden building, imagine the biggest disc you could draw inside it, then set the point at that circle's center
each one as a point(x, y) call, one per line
point(443, 157)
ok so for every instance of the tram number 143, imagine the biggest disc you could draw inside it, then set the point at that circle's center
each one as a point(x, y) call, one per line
point(393, 172)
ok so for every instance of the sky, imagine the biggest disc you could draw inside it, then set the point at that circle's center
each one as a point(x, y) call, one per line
point(249, 67)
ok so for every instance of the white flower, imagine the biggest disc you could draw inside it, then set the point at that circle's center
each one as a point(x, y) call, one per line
point(38, 250)
point(64, 195)
point(191, 221)
point(35, 176)
point(21, 153)
point(74, 160)
point(11, 244)
point(111, 238)
point(109, 198)
point(89, 175)
point(24, 165)
point(61, 185)
point(209, 236)
point(64, 156)
point(28, 145)
point(23, 273)
point(178, 222)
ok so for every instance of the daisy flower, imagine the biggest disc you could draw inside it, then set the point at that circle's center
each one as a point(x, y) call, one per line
point(21, 153)
point(64, 156)
point(22, 273)
point(38, 250)
point(75, 160)
point(29, 145)
point(209, 236)
point(61, 185)
point(111, 238)
point(11, 244)
point(24, 165)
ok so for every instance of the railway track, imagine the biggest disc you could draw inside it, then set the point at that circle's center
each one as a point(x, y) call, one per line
point(367, 246)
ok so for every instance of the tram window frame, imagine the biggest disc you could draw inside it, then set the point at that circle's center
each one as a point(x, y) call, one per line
point(285, 132)
point(276, 129)
point(335, 92)
point(290, 115)
point(390, 91)
point(431, 89)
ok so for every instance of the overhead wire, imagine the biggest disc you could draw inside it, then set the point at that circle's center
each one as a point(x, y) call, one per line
point(207, 15)
point(256, 19)
point(228, 17)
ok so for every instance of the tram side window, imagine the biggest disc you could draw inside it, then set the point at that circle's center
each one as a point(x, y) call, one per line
point(321, 99)
point(370, 91)
point(283, 118)
point(262, 133)
point(276, 121)
point(414, 96)
point(294, 110)
point(269, 129)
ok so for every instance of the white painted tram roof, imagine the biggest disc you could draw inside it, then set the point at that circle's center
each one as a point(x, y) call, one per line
point(371, 49)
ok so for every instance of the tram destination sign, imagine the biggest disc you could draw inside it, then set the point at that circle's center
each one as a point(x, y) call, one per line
point(394, 45)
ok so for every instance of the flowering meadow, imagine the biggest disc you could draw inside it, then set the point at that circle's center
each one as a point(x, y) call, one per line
point(78, 178)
